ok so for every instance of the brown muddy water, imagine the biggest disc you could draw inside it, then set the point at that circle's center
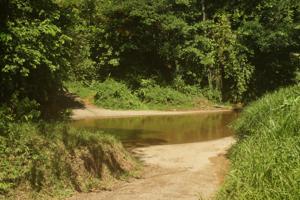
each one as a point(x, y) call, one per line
point(158, 130)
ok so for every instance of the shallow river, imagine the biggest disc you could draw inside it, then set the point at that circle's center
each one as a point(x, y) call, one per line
point(153, 130)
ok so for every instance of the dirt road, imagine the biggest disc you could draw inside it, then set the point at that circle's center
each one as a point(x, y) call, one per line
point(174, 172)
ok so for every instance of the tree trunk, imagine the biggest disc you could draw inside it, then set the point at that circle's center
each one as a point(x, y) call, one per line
point(203, 10)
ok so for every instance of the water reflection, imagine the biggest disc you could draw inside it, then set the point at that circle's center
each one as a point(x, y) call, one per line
point(152, 130)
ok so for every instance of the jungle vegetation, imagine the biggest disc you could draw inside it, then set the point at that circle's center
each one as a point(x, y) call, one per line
point(237, 50)
point(141, 53)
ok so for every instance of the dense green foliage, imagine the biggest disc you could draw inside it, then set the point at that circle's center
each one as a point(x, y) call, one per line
point(265, 161)
point(33, 49)
point(240, 49)
point(163, 40)
point(147, 54)
point(149, 95)
point(112, 94)
point(54, 160)
point(154, 94)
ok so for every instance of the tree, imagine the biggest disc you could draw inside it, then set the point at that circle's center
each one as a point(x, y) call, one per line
point(34, 50)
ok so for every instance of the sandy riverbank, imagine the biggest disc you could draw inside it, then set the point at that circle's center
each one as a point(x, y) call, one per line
point(91, 111)
point(180, 172)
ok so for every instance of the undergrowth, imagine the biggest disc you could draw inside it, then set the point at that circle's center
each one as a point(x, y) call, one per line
point(45, 160)
point(265, 161)
point(83, 90)
point(155, 96)
point(112, 94)
point(116, 95)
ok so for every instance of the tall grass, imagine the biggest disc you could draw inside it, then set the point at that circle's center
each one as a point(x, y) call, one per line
point(266, 159)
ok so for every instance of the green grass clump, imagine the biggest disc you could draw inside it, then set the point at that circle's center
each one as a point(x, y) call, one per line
point(265, 161)
point(43, 160)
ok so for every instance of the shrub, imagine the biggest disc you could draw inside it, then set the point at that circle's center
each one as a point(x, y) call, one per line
point(265, 161)
point(147, 95)
point(190, 90)
point(212, 94)
point(197, 91)
point(113, 94)
point(18, 110)
point(152, 94)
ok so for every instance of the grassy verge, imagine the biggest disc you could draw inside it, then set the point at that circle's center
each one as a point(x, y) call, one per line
point(265, 161)
point(46, 161)
point(83, 91)
point(111, 94)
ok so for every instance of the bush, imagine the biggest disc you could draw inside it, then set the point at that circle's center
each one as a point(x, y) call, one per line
point(190, 90)
point(18, 110)
point(34, 49)
point(197, 91)
point(113, 94)
point(147, 95)
point(265, 161)
point(54, 159)
point(153, 95)
point(212, 94)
